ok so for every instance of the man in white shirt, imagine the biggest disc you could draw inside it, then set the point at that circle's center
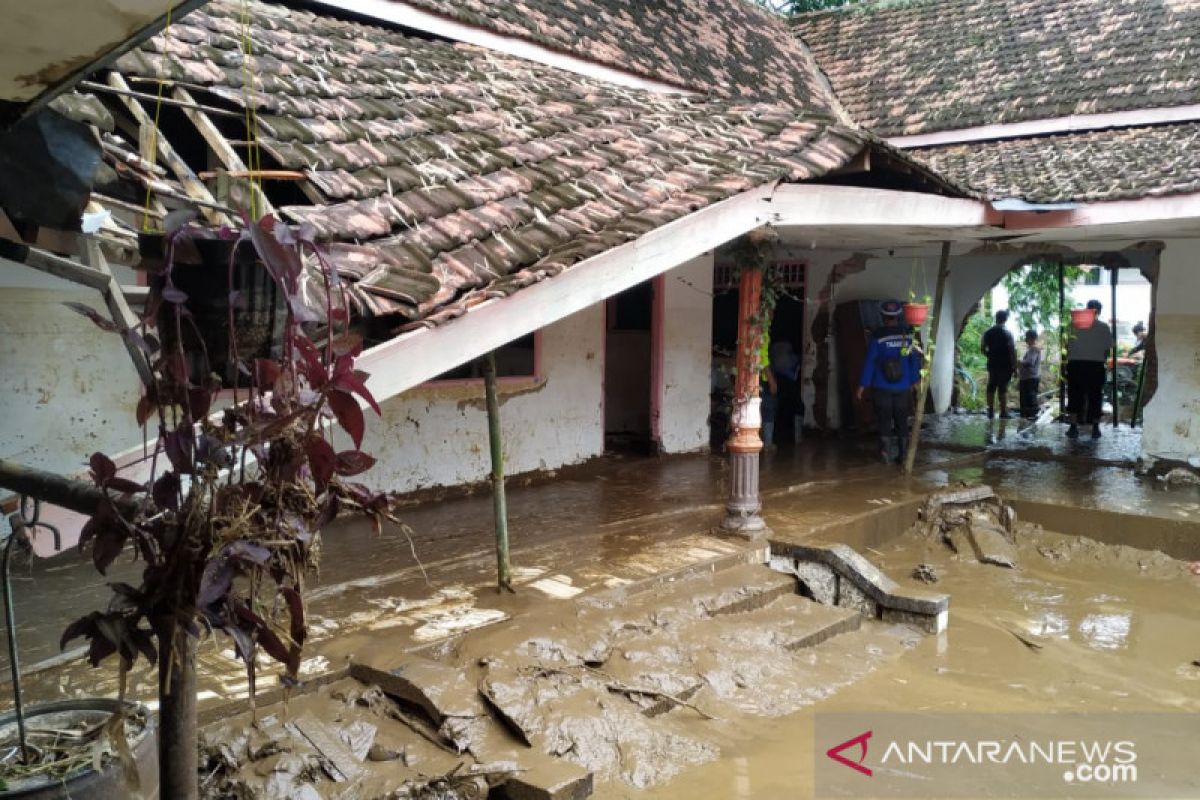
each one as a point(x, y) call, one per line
point(1087, 355)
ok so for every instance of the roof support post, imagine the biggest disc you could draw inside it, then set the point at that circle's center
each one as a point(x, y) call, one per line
point(742, 511)
point(499, 501)
point(914, 438)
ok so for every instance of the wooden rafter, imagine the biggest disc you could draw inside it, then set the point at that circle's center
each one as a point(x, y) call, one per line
point(192, 185)
point(221, 146)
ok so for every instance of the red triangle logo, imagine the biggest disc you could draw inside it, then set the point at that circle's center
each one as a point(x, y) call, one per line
point(860, 741)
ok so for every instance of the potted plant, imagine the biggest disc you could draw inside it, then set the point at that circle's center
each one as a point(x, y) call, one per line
point(916, 310)
point(229, 521)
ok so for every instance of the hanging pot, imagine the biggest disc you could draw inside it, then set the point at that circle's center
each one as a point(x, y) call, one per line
point(916, 313)
point(258, 315)
point(85, 782)
point(1082, 318)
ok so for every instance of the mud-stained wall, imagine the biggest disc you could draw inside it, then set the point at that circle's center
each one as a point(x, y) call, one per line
point(687, 356)
point(437, 435)
point(1172, 417)
point(68, 388)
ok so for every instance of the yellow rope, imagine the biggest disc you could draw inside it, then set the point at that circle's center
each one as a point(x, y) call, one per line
point(153, 154)
point(254, 154)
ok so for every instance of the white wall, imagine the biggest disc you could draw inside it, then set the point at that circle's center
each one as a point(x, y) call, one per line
point(68, 389)
point(687, 356)
point(437, 435)
point(1172, 417)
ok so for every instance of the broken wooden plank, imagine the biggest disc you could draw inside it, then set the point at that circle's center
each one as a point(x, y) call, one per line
point(337, 754)
point(57, 266)
point(192, 185)
point(439, 690)
point(225, 152)
point(122, 314)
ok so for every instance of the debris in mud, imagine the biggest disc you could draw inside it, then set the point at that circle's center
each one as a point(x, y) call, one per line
point(1181, 476)
point(974, 522)
point(925, 573)
point(1194, 567)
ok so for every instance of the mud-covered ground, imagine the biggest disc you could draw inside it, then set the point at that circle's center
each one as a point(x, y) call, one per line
point(1076, 626)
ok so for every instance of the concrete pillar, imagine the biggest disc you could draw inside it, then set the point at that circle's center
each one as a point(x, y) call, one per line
point(742, 511)
point(1172, 418)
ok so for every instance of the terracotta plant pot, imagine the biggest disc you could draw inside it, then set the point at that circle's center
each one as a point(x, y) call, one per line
point(916, 313)
point(1082, 318)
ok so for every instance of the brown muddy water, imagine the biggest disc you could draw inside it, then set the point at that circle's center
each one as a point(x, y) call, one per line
point(1113, 629)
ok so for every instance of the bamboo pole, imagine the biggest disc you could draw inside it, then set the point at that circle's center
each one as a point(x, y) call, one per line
point(499, 502)
point(914, 437)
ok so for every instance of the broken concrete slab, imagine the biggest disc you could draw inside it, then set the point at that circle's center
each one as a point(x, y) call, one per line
point(991, 546)
point(923, 622)
point(732, 591)
point(560, 780)
point(851, 597)
point(819, 579)
point(960, 542)
point(847, 563)
point(440, 691)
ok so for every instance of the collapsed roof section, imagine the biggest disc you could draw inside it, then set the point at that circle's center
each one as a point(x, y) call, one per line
point(934, 65)
point(441, 175)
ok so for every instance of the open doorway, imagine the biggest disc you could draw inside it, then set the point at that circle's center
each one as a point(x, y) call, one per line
point(1039, 297)
point(627, 370)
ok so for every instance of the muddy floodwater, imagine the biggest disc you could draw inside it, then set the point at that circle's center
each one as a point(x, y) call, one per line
point(1105, 628)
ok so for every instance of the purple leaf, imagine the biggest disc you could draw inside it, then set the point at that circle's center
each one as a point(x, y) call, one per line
point(353, 462)
point(103, 468)
point(242, 550)
point(321, 460)
point(345, 408)
point(354, 382)
point(110, 540)
point(166, 491)
point(216, 581)
point(172, 294)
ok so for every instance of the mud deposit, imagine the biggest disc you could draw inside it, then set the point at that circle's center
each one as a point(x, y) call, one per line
point(1073, 626)
point(622, 688)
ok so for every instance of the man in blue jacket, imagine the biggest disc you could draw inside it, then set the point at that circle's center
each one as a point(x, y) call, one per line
point(892, 369)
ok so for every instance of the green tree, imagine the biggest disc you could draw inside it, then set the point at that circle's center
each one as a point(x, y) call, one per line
point(1033, 293)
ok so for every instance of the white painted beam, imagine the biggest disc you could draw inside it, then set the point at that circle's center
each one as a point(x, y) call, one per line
point(410, 16)
point(1075, 123)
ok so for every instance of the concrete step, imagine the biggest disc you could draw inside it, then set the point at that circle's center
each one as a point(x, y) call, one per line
point(735, 590)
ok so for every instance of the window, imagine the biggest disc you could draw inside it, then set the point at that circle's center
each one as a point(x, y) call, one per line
point(517, 359)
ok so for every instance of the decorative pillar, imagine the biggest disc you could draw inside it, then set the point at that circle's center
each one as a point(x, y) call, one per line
point(744, 506)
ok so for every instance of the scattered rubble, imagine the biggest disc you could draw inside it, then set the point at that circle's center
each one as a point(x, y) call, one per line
point(925, 573)
point(975, 524)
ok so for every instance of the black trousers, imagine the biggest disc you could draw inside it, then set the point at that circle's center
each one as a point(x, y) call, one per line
point(1029, 396)
point(892, 410)
point(1085, 390)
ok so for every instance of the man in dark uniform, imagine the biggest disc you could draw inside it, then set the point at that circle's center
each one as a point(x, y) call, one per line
point(892, 369)
point(997, 344)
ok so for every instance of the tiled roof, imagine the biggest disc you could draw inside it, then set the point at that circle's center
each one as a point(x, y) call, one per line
point(446, 174)
point(1116, 164)
point(930, 65)
point(731, 48)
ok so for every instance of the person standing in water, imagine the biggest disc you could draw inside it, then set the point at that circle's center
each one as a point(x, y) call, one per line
point(892, 369)
point(1029, 372)
point(997, 344)
point(1087, 356)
